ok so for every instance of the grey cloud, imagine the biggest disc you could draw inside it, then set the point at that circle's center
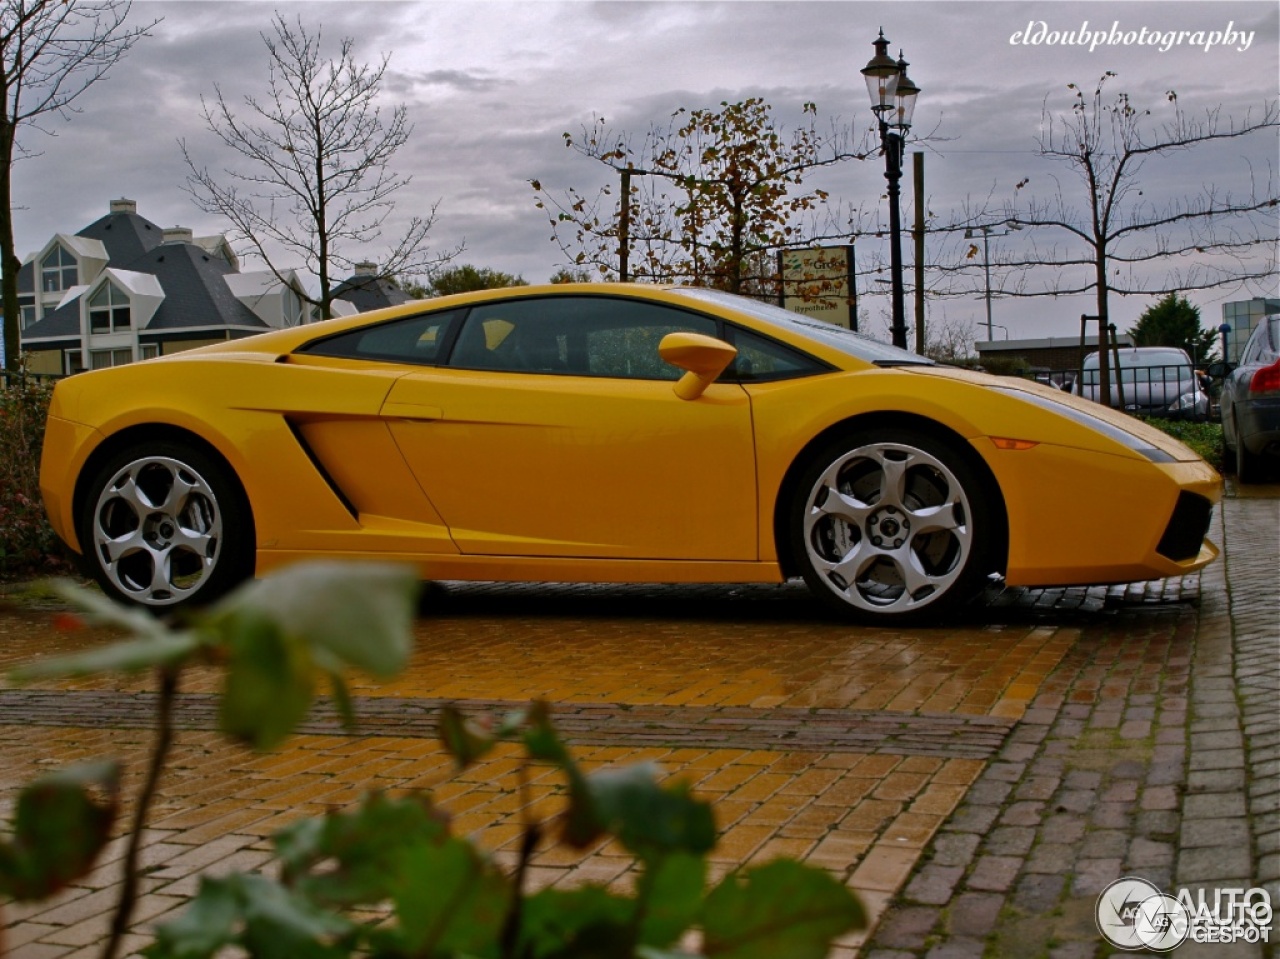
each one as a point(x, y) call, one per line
point(460, 80)
point(491, 87)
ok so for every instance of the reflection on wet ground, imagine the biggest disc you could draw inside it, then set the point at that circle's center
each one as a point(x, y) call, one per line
point(753, 646)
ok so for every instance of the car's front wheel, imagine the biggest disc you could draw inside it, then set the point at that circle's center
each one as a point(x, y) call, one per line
point(893, 526)
point(164, 525)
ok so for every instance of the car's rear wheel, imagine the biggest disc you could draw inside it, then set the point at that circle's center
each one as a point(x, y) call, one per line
point(1249, 467)
point(165, 525)
point(893, 526)
point(1228, 453)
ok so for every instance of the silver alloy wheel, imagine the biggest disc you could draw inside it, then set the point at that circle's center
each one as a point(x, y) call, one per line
point(887, 527)
point(157, 530)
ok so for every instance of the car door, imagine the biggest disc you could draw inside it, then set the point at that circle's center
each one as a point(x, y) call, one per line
point(332, 396)
point(554, 431)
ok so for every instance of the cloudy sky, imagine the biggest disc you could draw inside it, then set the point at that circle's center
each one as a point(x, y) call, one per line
point(492, 86)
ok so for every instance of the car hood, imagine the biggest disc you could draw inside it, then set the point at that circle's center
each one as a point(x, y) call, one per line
point(1115, 418)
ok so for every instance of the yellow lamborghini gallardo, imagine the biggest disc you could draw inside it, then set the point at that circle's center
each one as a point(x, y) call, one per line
point(609, 433)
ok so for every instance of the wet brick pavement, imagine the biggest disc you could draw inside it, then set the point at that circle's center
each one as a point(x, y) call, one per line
point(977, 785)
point(1147, 752)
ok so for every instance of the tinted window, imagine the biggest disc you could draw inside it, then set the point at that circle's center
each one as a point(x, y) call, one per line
point(577, 335)
point(854, 344)
point(1261, 347)
point(1143, 357)
point(415, 339)
point(760, 358)
point(1253, 347)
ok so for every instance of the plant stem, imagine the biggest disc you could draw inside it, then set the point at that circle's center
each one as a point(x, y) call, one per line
point(168, 676)
point(528, 844)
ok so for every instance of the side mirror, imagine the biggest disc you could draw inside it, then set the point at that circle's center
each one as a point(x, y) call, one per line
point(703, 358)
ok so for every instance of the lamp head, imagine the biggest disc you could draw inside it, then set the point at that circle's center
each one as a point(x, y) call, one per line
point(904, 97)
point(881, 73)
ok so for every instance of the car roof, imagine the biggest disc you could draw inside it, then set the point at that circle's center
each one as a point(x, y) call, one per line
point(282, 342)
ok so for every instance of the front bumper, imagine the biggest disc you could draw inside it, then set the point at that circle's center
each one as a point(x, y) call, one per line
point(1082, 518)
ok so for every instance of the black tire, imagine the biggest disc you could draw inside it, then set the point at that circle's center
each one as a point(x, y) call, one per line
point(166, 525)
point(1249, 467)
point(881, 555)
point(1228, 455)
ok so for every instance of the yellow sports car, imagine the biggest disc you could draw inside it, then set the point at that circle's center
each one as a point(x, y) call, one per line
point(609, 433)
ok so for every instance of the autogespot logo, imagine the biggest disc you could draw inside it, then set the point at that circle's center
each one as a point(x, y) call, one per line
point(1134, 914)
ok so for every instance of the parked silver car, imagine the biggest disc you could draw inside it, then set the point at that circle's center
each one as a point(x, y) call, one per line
point(1153, 381)
point(1251, 404)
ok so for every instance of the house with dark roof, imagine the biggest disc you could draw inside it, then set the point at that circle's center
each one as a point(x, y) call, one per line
point(366, 290)
point(123, 289)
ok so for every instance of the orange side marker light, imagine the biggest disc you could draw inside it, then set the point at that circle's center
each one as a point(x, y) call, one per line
point(1005, 443)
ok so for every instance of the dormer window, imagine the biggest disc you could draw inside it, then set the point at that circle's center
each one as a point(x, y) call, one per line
point(109, 310)
point(58, 270)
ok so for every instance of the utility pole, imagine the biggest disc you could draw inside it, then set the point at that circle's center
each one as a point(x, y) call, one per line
point(917, 234)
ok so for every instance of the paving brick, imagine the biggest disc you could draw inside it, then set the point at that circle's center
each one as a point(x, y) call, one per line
point(906, 928)
point(954, 848)
point(1214, 862)
point(1214, 806)
point(884, 868)
point(1096, 768)
point(994, 873)
point(1038, 894)
point(934, 884)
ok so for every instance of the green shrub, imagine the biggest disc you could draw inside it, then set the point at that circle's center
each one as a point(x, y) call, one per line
point(276, 641)
point(1005, 365)
point(1204, 438)
point(28, 546)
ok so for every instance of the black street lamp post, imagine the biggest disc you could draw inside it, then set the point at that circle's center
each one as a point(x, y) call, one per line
point(893, 100)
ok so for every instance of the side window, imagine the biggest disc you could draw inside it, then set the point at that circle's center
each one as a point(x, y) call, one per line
point(575, 335)
point(414, 339)
point(109, 310)
point(1252, 350)
point(1257, 347)
point(1271, 342)
point(760, 359)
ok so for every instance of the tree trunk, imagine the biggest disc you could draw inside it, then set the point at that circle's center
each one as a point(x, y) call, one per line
point(9, 262)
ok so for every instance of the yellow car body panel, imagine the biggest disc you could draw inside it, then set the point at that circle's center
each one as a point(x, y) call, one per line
point(1124, 500)
point(526, 476)
point(535, 465)
point(243, 410)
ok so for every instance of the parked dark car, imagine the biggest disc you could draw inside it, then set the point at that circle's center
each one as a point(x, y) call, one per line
point(1154, 381)
point(1251, 404)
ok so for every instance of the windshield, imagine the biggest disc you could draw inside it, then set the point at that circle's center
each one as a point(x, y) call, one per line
point(857, 345)
point(1130, 359)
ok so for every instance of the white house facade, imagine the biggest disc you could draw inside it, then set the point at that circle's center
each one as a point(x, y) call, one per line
point(123, 289)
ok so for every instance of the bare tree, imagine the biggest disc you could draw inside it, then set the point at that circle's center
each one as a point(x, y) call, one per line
point(1115, 239)
point(317, 178)
point(51, 52)
point(709, 199)
point(950, 340)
